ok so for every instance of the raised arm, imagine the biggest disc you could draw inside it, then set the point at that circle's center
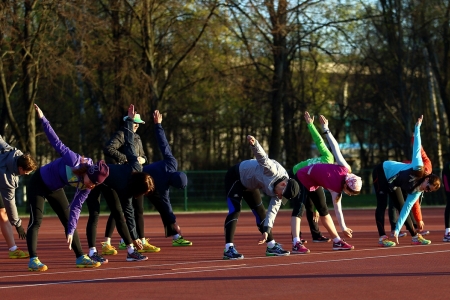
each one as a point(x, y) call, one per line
point(263, 160)
point(334, 144)
point(163, 143)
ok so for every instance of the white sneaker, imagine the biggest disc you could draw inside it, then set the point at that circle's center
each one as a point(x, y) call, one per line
point(446, 238)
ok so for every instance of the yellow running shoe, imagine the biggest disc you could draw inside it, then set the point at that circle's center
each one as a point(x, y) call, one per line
point(107, 249)
point(18, 254)
point(149, 247)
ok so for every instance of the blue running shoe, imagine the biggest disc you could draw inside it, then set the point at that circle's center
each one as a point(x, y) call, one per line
point(99, 258)
point(232, 254)
point(276, 251)
point(85, 262)
point(136, 256)
point(36, 265)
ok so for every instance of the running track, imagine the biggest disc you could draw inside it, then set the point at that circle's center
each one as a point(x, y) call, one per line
point(198, 272)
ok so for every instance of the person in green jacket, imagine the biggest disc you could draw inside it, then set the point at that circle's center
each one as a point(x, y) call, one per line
point(316, 197)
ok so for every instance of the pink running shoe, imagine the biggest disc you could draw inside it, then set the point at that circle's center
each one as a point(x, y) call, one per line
point(342, 245)
point(298, 248)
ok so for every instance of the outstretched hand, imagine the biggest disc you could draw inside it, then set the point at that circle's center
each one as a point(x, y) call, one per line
point(308, 118)
point(251, 140)
point(396, 238)
point(264, 238)
point(324, 122)
point(348, 232)
point(157, 117)
point(21, 232)
point(38, 111)
point(419, 120)
point(131, 112)
point(69, 240)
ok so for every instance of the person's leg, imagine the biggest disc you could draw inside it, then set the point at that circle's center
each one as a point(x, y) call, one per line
point(6, 229)
point(298, 208)
point(36, 191)
point(319, 197)
point(109, 230)
point(446, 184)
point(234, 193)
point(93, 204)
point(138, 205)
point(393, 215)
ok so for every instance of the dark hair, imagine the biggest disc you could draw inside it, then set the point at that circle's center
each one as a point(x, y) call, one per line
point(140, 183)
point(82, 169)
point(354, 193)
point(433, 180)
point(26, 162)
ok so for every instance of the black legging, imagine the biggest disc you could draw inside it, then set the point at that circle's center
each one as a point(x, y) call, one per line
point(37, 192)
point(382, 191)
point(235, 191)
point(112, 199)
point(393, 213)
point(138, 205)
point(446, 182)
point(300, 204)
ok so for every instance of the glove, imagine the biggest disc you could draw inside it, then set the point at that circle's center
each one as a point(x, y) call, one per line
point(21, 232)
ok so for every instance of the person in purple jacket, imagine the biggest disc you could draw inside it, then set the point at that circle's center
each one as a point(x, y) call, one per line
point(47, 183)
point(165, 175)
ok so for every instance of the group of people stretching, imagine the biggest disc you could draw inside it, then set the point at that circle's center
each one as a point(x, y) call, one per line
point(123, 185)
point(304, 186)
point(125, 182)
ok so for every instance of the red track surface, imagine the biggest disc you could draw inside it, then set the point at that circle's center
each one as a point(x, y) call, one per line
point(198, 272)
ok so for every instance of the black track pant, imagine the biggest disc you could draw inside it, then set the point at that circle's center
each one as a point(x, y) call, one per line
point(37, 192)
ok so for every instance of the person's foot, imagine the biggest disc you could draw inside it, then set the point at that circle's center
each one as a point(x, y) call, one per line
point(85, 261)
point(446, 237)
point(181, 242)
point(419, 240)
point(107, 249)
point(136, 256)
point(321, 239)
point(122, 246)
point(342, 245)
point(147, 247)
point(36, 265)
point(385, 242)
point(298, 248)
point(97, 257)
point(232, 254)
point(401, 234)
point(18, 254)
point(276, 251)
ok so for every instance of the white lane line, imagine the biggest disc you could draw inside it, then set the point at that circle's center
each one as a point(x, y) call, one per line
point(228, 266)
point(219, 269)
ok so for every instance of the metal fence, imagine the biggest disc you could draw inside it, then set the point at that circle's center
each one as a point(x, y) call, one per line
point(205, 191)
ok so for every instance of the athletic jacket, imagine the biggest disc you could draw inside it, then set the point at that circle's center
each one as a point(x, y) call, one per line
point(114, 149)
point(9, 180)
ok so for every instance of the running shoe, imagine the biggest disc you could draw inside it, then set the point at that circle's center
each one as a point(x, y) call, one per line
point(147, 247)
point(180, 242)
point(298, 248)
point(232, 254)
point(342, 245)
point(321, 239)
point(401, 234)
point(18, 254)
point(85, 262)
point(36, 265)
point(122, 246)
point(276, 251)
point(107, 249)
point(97, 257)
point(446, 238)
point(419, 240)
point(136, 256)
point(385, 242)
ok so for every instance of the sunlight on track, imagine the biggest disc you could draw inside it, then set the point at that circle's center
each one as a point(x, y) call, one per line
point(217, 269)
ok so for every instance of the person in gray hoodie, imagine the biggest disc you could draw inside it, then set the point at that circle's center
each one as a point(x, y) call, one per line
point(13, 163)
point(244, 180)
